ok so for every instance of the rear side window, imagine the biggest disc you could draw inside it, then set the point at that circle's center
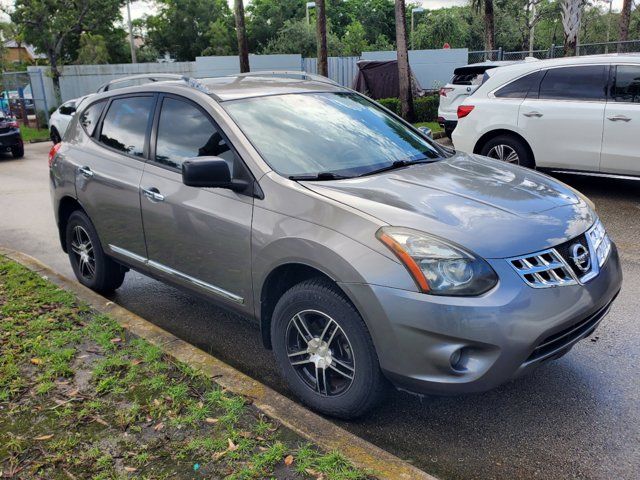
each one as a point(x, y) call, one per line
point(184, 131)
point(91, 115)
point(574, 83)
point(520, 87)
point(467, 79)
point(125, 125)
point(626, 84)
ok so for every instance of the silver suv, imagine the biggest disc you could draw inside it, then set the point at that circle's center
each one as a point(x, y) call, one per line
point(366, 252)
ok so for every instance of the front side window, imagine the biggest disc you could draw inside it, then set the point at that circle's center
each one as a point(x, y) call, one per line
point(125, 125)
point(312, 134)
point(626, 85)
point(185, 132)
point(68, 108)
point(520, 87)
point(91, 115)
point(574, 83)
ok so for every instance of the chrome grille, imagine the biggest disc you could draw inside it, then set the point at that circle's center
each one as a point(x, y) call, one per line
point(553, 267)
point(543, 269)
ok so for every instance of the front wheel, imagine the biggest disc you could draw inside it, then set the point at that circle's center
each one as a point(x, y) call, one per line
point(325, 352)
point(508, 149)
point(91, 266)
point(17, 151)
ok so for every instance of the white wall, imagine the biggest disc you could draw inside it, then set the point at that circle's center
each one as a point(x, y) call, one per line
point(432, 68)
point(221, 66)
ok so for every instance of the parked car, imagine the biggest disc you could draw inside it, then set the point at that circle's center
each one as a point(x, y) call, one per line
point(464, 82)
point(10, 136)
point(578, 114)
point(365, 252)
point(60, 118)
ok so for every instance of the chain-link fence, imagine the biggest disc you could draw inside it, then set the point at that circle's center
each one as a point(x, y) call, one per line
point(22, 96)
point(555, 51)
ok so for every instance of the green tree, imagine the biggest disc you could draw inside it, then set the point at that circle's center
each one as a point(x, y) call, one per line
point(54, 25)
point(354, 40)
point(183, 28)
point(298, 37)
point(268, 17)
point(439, 27)
point(93, 50)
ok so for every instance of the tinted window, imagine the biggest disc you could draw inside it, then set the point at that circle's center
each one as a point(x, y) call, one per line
point(626, 87)
point(574, 83)
point(91, 115)
point(185, 132)
point(520, 87)
point(125, 124)
point(67, 108)
point(338, 133)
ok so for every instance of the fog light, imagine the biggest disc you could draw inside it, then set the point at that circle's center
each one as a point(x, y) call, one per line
point(458, 360)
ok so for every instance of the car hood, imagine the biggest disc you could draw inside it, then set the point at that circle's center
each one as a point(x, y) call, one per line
point(495, 209)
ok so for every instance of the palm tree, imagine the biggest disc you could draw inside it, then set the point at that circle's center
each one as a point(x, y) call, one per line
point(243, 48)
point(625, 16)
point(321, 34)
point(404, 73)
point(489, 28)
point(571, 18)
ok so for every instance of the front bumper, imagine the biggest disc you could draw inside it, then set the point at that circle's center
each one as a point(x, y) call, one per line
point(450, 345)
point(10, 139)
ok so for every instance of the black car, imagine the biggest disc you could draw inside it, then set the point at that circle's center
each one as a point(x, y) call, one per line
point(10, 137)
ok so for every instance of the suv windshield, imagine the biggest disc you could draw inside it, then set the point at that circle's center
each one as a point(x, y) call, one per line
point(327, 135)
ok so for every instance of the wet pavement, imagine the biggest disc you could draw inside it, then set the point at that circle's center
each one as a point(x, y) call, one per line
point(578, 417)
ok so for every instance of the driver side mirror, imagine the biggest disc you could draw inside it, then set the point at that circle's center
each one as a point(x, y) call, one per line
point(210, 172)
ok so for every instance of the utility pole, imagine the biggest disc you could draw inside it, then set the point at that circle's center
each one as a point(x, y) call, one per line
point(309, 5)
point(413, 24)
point(131, 42)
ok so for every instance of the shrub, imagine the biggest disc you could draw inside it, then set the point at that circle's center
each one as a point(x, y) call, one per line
point(425, 108)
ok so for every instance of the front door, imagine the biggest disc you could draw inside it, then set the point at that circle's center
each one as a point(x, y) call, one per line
point(109, 172)
point(563, 123)
point(199, 237)
point(620, 144)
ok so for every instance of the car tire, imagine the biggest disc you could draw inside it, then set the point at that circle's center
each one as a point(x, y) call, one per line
point(317, 309)
point(55, 136)
point(91, 266)
point(509, 149)
point(17, 151)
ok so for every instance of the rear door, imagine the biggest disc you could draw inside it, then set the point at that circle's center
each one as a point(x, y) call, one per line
point(620, 143)
point(200, 237)
point(108, 176)
point(563, 122)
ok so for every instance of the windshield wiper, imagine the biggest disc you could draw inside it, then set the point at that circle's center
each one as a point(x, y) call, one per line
point(319, 176)
point(399, 164)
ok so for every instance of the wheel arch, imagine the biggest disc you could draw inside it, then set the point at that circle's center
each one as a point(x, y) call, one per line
point(66, 207)
point(502, 131)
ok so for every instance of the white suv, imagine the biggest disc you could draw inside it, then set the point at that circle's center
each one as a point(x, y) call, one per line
point(579, 114)
point(464, 82)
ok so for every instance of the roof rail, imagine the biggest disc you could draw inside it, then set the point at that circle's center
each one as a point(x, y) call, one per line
point(156, 77)
point(289, 74)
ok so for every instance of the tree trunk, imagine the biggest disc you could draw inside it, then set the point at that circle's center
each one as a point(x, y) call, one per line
point(55, 75)
point(571, 19)
point(243, 48)
point(321, 36)
point(489, 28)
point(625, 16)
point(404, 73)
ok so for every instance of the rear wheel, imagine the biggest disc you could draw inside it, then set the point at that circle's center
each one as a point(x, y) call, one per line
point(17, 151)
point(508, 149)
point(91, 266)
point(324, 350)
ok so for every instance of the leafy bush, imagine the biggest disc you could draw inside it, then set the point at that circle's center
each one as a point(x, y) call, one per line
point(425, 108)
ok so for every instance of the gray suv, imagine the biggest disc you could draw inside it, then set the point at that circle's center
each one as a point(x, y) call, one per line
point(367, 253)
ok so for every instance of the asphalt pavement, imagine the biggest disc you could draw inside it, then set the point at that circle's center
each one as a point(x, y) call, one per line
point(577, 417)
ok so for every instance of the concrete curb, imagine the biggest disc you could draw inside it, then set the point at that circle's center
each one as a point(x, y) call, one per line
point(305, 423)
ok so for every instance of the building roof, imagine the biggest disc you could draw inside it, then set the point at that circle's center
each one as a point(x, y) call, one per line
point(31, 51)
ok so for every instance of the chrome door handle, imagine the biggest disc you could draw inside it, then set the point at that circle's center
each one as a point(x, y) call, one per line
point(619, 118)
point(532, 114)
point(153, 194)
point(85, 172)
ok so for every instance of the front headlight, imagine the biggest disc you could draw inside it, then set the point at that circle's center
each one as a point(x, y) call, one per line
point(437, 266)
